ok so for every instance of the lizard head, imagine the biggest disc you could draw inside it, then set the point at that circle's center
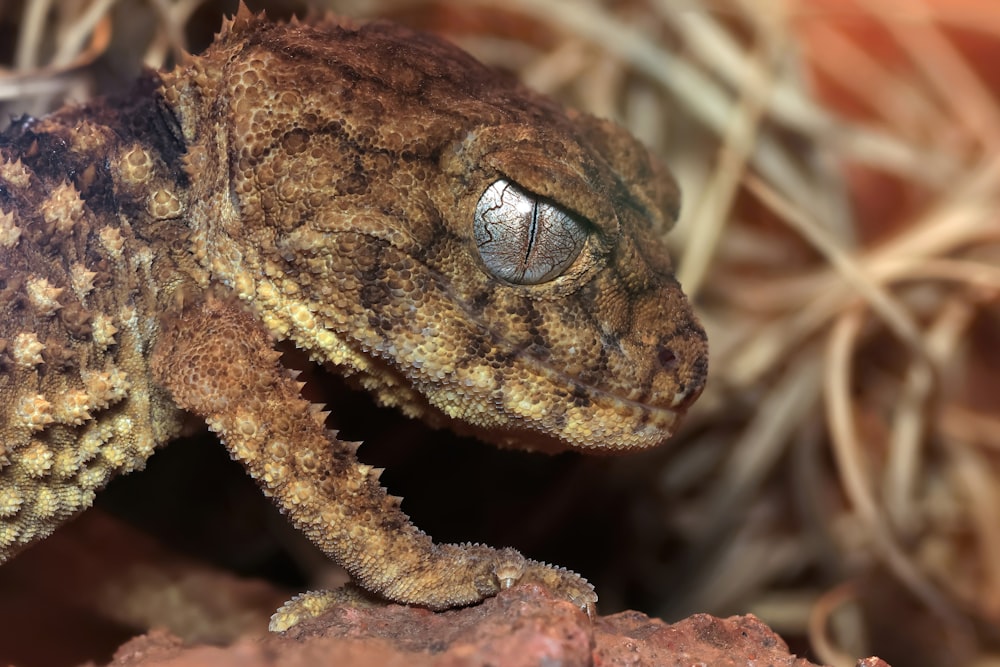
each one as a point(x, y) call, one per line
point(469, 250)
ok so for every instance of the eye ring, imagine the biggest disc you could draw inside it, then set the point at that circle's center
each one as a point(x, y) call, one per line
point(525, 239)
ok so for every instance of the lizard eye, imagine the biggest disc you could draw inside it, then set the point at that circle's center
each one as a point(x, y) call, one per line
point(522, 238)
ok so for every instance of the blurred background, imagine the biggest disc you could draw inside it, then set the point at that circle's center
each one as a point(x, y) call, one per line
point(840, 238)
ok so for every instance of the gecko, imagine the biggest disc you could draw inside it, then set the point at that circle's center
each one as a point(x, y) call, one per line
point(463, 248)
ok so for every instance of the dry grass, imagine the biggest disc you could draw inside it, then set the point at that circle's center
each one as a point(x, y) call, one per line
point(841, 236)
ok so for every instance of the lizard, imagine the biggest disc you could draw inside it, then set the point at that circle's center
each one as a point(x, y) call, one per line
point(463, 248)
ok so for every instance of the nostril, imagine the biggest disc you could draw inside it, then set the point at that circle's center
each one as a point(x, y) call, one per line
point(666, 357)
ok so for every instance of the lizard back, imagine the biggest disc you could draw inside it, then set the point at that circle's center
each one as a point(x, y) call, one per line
point(82, 193)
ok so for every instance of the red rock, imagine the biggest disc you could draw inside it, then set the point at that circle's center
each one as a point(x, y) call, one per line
point(521, 627)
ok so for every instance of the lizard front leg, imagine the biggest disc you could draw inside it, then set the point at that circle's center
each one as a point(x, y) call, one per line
point(218, 362)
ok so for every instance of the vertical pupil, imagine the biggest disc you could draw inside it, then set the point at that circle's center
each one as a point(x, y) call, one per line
point(532, 230)
point(522, 238)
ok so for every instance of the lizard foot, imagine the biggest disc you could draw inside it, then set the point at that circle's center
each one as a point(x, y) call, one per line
point(509, 569)
point(313, 603)
point(563, 583)
point(512, 568)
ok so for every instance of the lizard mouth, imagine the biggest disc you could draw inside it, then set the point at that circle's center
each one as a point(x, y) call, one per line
point(331, 386)
point(584, 415)
point(575, 416)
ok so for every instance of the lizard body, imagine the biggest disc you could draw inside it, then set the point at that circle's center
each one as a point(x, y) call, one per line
point(461, 247)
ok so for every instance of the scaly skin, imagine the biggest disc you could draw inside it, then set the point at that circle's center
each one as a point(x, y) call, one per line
point(318, 183)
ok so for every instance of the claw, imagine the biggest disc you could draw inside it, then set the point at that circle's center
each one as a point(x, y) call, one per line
point(509, 568)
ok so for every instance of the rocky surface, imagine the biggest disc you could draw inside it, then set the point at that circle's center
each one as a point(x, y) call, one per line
point(523, 626)
point(96, 604)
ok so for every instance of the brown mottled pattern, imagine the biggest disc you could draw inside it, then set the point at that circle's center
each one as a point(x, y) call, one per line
point(318, 183)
